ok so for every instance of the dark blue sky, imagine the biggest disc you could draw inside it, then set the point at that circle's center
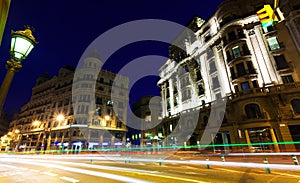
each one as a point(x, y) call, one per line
point(65, 28)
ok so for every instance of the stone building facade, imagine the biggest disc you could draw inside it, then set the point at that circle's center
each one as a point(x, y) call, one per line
point(255, 70)
point(73, 112)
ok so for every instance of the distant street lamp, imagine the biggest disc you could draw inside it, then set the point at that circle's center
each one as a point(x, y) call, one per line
point(17, 131)
point(36, 123)
point(107, 117)
point(60, 118)
point(22, 42)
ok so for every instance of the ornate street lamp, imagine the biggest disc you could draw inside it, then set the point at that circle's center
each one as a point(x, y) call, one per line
point(22, 43)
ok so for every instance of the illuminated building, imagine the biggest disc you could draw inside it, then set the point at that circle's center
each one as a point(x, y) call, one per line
point(231, 56)
point(55, 118)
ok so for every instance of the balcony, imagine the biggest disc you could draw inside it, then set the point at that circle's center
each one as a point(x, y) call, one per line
point(260, 116)
point(243, 54)
point(240, 36)
point(284, 87)
point(253, 92)
point(284, 68)
point(247, 74)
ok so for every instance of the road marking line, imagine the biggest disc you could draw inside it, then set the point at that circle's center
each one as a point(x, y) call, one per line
point(49, 173)
point(191, 173)
point(69, 179)
point(189, 167)
point(286, 174)
point(235, 171)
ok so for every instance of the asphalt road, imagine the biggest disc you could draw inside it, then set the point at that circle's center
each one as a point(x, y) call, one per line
point(90, 169)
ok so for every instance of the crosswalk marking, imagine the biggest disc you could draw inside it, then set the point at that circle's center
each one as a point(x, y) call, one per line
point(69, 179)
point(49, 173)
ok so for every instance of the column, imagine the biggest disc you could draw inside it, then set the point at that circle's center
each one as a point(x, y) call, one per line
point(274, 140)
point(49, 142)
point(248, 140)
point(225, 142)
point(112, 141)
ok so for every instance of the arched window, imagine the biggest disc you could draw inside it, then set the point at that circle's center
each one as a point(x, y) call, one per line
point(296, 106)
point(253, 111)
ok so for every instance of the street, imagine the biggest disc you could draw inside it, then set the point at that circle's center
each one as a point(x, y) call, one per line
point(92, 169)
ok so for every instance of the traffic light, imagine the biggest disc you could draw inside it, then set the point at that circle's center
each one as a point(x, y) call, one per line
point(267, 16)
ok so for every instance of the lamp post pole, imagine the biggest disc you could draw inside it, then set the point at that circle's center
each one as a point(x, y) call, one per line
point(12, 68)
point(22, 43)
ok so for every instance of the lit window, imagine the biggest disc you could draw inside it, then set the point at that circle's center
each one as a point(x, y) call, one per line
point(236, 52)
point(273, 43)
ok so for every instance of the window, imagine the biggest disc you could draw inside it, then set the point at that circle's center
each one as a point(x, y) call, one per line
point(215, 81)
point(168, 104)
point(231, 36)
point(200, 89)
point(245, 85)
point(109, 112)
point(281, 62)
point(176, 99)
point(119, 124)
point(212, 67)
point(218, 96)
point(240, 69)
point(232, 73)
point(228, 55)
point(96, 122)
point(236, 52)
point(240, 33)
point(186, 68)
point(287, 79)
point(273, 43)
point(236, 88)
point(245, 50)
point(199, 76)
point(252, 111)
point(101, 80)
point(100, 88)
point(255, 84)
point(296, 106)
point(175, 91)
point(99, 100)
point(251, 70)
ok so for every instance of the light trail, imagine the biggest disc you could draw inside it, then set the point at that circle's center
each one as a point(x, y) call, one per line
point(131, 170)
point(155, 160)
point(79, 170)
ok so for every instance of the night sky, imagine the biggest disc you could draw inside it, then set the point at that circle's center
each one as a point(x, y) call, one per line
point(65, 28)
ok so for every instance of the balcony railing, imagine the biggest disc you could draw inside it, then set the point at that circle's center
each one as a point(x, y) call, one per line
point(237, 37)
point(262, 115)
point(230, 58)
point(284, 87)
point(243, 74)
